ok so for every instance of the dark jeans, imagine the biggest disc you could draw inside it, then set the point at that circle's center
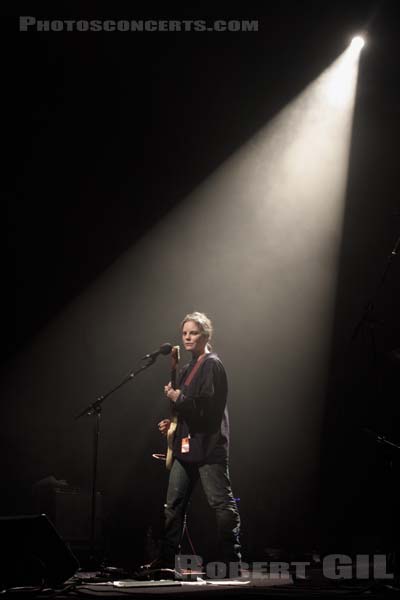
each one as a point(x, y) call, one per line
point(217, 488)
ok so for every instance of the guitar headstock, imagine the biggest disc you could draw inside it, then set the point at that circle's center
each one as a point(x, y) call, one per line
point(176, 356)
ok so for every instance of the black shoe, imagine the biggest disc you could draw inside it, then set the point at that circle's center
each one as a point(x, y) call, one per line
point(158, 569)
point(158, 575)
point(159, 563)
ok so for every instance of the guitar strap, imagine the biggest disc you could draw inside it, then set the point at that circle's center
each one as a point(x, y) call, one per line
point(185, 442)
point(193, 372)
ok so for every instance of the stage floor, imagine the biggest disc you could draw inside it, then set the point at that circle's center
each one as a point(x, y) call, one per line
point(90, 584)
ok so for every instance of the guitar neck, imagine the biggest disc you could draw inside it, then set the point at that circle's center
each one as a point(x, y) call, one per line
point(173, 378)
point(174, 368)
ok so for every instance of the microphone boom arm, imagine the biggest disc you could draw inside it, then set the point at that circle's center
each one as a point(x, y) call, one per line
point(96, 405)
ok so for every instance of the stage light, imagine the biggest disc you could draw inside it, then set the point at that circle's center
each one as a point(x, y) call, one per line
point(357, 43)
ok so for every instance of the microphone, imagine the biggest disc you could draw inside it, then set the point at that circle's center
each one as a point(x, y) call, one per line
point(163, 349)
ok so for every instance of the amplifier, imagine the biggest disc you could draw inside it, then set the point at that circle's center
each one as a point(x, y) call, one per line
point(70, 511)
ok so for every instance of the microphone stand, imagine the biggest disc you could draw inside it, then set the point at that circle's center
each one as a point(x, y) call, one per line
point(365, 317)
point(381, 439)
point(94, 409)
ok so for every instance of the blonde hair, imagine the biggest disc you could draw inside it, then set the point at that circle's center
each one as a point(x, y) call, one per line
point(204, 323)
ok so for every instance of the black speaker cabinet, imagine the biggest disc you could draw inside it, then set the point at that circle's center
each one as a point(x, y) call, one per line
point(69, 509)
point(33, 553)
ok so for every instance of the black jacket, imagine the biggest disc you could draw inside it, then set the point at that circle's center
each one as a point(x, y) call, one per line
point(202, 413)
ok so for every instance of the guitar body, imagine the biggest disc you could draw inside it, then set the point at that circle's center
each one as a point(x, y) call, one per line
point(170, 439)
point(174, 418)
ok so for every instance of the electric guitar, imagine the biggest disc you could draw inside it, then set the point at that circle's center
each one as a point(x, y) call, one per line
point(174, 418)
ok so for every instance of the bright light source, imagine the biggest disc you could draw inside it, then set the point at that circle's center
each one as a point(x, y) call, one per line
point(357, 42)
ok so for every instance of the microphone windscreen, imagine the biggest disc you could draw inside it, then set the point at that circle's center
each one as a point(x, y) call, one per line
point(165, 348)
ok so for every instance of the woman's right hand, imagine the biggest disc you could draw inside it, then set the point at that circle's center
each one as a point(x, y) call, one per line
point(164, 425)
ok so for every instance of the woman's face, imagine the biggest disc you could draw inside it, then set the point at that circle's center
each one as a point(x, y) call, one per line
point(193, 339)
